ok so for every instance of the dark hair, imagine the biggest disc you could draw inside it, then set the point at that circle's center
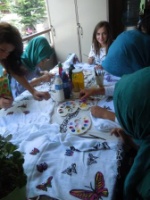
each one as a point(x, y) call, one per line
point(96, 44)
point(10, 35)
point(144, 24)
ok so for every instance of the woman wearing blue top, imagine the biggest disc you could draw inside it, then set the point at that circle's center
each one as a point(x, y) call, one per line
point(11, 48)
point(37, 52)
point(130, 51)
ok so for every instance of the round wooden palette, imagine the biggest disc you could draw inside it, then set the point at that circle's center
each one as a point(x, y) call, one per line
point(79, 125)
point(67, 108)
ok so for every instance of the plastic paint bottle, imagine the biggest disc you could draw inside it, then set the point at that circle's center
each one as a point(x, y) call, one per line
point(66, 85)
point(59, 92)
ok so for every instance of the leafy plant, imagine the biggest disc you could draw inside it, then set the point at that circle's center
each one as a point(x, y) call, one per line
point(31, 12)
point(11, 167)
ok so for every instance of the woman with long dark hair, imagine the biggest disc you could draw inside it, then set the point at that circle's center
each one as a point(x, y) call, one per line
point(11, 48)
point(102, 39)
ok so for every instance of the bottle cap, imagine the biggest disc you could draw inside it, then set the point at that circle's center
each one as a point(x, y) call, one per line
point(77, 70)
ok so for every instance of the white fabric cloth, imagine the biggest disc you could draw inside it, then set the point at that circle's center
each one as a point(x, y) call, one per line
point(69, 168)
point(105, 125)
point(109, 90)
point(26, 112)
point(52, 147)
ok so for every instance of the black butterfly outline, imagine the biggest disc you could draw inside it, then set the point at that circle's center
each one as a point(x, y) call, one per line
point(91, 159)
point(70, 170)
point(100, 146)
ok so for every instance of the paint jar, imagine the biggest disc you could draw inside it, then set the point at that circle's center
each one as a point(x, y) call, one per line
point(77, 80)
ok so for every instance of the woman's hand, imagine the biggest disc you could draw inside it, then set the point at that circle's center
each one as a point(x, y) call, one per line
point(46, 77)
point(103, 113)
point(40, 95)
point(90, 60)
point(85, 93)
point(6, 102)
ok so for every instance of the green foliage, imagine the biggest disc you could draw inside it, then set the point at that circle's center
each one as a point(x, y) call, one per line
point(11, 167)
point(31, 11)
point(4, 6)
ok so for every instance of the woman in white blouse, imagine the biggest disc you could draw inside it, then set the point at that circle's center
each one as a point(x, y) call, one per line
point(102, 39)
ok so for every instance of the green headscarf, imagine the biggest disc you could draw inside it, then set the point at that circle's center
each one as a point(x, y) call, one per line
point(132, 109)
point(37, 50)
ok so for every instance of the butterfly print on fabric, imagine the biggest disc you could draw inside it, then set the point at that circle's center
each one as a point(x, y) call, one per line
point(105, 145)
point(26, 112)
point(93, 194)
point(22, 106)
point(69, 152)
point(42, 167)
point(109, 99)
point(25, 98)
point(101, 146)
point(70, 170)
point(91, 159)
point(107, 107)
point(10, 113)
point(46, 185)
point(34, 151)
point(74, 149)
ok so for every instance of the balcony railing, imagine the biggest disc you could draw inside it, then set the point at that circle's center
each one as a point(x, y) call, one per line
point(27, 38)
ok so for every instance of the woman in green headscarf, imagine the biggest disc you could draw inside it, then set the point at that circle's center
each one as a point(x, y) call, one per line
point(37, 52)
point(132, 109)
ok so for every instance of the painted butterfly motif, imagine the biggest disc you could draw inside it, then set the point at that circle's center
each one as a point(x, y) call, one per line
point(34, 151)
point(70, 170)
point(105, 145)
point(22, 106)
point(74, 149)
point(109, 99)
point(26, 112)
point(44, 186)
point(91, 159)
point(10, 113)
point(94, 194)
point(69, 152)
point(100, 146)
point(42, 167)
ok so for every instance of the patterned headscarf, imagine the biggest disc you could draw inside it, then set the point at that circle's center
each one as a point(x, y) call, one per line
point(37, 50)
point(132, 109)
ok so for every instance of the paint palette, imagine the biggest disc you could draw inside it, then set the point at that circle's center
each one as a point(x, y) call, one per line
point(67, 108)
point(84, 105)
point(79, 125)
